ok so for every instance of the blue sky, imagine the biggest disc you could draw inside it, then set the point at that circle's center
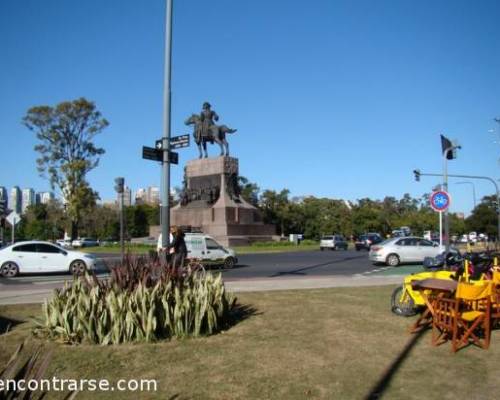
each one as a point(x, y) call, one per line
point(331, 98)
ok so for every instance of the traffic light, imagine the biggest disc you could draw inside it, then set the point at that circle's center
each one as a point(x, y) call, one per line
point(2, 207)
point(120, 183)
point(417, 174)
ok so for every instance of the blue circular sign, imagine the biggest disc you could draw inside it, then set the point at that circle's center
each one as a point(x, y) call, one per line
point(440, 201)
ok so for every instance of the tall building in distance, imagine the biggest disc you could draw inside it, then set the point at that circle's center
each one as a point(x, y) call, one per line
point(28, 199)
point(4, 196)
point(46, 197)
point(127, 197)
point(15, 200)
point(141, 196)
point(153, 197)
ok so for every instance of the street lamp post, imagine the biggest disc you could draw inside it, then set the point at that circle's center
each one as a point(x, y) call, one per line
point(165, 205)
point(473, 190)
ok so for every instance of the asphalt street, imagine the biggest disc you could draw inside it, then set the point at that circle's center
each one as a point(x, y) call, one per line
point(254, 272)
point(307, 264)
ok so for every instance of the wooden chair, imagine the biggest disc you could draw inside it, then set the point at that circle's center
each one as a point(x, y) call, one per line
point(495, 299)
point(465, 319)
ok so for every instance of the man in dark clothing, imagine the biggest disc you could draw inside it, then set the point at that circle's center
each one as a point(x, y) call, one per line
point(179, 247)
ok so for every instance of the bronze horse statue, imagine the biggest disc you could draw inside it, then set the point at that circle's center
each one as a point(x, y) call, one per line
point(216, 133)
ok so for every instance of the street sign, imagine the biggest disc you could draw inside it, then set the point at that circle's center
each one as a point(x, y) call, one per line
point(150, 153)
point(178, 142)
point(440, 201)
point(13, 218)
point(173, 157)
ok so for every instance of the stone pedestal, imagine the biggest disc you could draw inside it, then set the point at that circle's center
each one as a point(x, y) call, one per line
point(212, 204)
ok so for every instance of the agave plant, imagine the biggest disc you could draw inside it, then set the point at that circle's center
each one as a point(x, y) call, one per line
point(21, 368)
point(144, 300)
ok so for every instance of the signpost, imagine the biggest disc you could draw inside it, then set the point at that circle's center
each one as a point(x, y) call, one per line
point(440, 201)
point(3, 204)
point(13, 218)
point(151, 153)
point(178, 142)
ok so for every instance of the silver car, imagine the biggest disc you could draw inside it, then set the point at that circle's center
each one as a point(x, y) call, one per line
point(410, 249)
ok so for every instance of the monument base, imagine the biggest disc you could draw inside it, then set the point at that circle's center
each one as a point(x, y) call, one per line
point(211, 204)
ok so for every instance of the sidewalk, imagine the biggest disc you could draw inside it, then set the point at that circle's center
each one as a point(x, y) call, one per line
point(29, 294)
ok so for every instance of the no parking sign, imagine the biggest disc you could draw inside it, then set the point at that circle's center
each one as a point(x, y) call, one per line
point(440, 201)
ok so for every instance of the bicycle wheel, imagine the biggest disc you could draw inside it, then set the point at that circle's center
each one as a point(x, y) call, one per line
point(402, 303)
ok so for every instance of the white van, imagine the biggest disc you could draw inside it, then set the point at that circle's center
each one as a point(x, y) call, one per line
point(204, 248)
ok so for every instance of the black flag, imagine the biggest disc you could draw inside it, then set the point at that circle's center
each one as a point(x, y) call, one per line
point(446, 144)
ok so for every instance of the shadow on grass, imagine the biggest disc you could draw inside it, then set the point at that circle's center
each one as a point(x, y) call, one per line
point(6, 324)
point(379, 388)
point(240, 313)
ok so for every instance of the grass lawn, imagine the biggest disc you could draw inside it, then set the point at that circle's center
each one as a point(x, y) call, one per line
point(317, 344)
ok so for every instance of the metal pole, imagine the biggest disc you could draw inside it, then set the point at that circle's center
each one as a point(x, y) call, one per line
point(445, 188)
point(13, 229)
point(165, 206)
point(122, 244)
point(440, 230)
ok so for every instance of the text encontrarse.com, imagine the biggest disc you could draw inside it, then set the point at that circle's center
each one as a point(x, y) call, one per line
point(91, 385)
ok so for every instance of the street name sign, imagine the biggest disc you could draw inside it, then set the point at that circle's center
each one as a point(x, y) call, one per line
point(150, 153)
point(178, 142)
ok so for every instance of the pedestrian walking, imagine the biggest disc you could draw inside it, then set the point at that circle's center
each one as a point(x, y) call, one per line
point(178, 246)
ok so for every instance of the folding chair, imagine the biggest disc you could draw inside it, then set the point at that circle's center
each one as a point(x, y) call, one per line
point(495, 299)
point(465, 319)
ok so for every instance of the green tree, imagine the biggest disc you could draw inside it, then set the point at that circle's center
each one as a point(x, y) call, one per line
point(484, 217)
point(66, 150)
point(42, 222)
point(249, 191)
point(276, 208)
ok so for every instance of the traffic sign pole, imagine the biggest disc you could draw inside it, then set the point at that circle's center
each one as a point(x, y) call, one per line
point(440, 202)
point(165, 206)
point(440, 230)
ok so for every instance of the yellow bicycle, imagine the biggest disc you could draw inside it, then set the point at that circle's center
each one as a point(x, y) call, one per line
point(407, 302)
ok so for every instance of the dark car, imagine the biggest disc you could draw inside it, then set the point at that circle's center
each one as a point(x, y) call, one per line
point(364, 242)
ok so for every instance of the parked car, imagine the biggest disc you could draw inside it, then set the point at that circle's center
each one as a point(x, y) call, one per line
point(148, 241)
point(109, 241)
point(84, 242)
point(395, 251)
point(64, 242)
point(333, 242)
point(39, 257)
point(364, 242)
point(206, 249)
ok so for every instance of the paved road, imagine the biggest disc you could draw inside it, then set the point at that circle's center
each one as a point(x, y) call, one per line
point(306, 269)
point(300, 264)
point(307, 264)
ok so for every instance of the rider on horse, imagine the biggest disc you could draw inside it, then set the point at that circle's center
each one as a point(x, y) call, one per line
point(208, 118)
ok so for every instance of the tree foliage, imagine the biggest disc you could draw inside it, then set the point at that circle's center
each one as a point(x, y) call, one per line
point(484, 217)
point(67, 151)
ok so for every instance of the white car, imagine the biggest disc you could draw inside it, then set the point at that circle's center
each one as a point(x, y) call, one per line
point(205, 249)
point(39, 257)
point(84, 242)
point(401, 250)
point(64, 242)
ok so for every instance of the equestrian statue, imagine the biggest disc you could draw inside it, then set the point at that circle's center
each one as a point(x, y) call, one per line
point(205, 130)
